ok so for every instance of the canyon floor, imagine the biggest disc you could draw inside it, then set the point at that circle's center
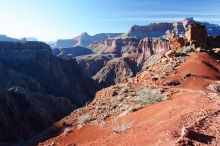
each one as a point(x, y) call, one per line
point(189, 85)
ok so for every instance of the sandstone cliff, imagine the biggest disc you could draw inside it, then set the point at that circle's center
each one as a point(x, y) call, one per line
point(196, 35)
point(163, 29)
point(115, 71)
point(131, 55)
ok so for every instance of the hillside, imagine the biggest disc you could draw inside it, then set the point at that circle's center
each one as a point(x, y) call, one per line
point(118, 91)
point(189, 90)
point(174, 101)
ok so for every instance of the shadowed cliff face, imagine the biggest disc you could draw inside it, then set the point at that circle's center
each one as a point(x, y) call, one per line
point(57, 76)
point(115, 71)
point(37, 89)
point(24, 113)
point(91, 64)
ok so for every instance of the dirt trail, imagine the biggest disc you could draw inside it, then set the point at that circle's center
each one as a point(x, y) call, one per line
point(160, 124)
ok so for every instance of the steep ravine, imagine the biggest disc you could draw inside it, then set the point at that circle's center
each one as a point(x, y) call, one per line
point(37, 89)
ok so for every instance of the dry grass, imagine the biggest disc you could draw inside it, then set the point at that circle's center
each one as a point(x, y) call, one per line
point(122, 126)
point(84, 119)
point(148, 96)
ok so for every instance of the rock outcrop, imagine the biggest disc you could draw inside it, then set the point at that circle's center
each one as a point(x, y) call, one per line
point(131, 55)
point(130, 47)
point(116, 46)
point(115, 71)
point(36, 89)
point(151, 46)
point(196, 35)
point(176, 42)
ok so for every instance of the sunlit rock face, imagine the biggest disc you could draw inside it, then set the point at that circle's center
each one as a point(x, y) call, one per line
point(115, 71)
point(163, 29)
point(154, 30)
point(130, 56)
point(176, 42)
point(151, 46)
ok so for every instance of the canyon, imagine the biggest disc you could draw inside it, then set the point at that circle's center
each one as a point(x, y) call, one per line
point(173, 101)
point(37, 89)
point(141, 87)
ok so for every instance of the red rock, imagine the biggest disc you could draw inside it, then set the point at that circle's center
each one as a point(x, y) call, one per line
point(176, 43)
point(196, 36)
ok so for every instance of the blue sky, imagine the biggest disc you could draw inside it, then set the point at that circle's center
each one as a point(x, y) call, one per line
point(51, 19)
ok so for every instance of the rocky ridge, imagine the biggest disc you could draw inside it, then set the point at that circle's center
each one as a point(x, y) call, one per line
point(163, 29)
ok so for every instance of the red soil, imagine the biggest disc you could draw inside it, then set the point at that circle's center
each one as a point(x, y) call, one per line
point(200, 64)
point(161, 123)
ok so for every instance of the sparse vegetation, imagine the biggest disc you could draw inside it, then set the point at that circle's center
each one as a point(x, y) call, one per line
point(136, 107)
point(101, 123)
point(67, 130)
point(214, 88)
point(186, 50)
point(122, 126)
point(147, 96)
point(84, 119)
point(124, 90)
